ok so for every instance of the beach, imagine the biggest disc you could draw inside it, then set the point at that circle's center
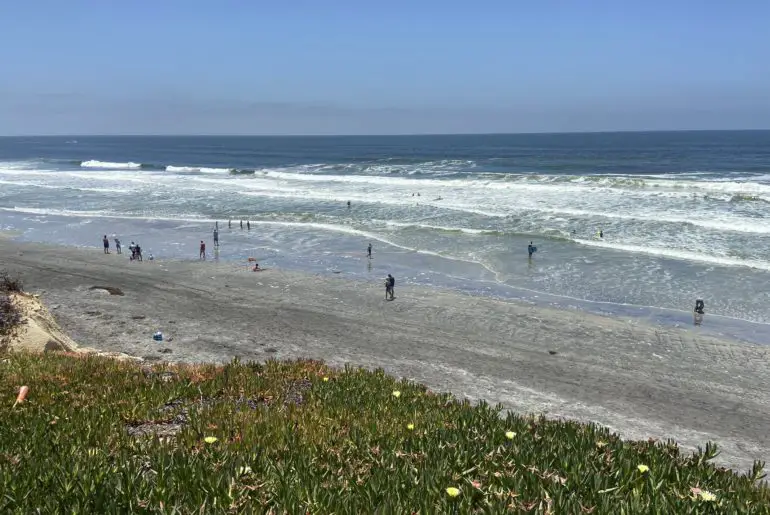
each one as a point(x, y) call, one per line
point(641, 380)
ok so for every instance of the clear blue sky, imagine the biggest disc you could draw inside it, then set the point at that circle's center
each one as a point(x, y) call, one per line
point(352, 67)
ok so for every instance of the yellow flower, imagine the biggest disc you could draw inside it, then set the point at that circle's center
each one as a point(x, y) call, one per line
point(210, 439)
point(509, 435)
point(326, 379)
point(707, 496)
point(643, 468)
point(452, 491)
point(396, 394)
point(601, 445)
point(410, 427)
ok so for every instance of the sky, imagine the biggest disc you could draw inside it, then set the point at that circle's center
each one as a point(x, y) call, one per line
point(396, 67)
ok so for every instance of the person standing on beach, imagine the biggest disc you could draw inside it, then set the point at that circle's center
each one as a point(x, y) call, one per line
point(138, 251)
point(531, 249)
point(229, 224)
point(118, 248)
point(390, 287)
point(248, 225)
point(202, 254)
point(216, 237)
point(241, 224)
point(106, 243)
point(369, 251)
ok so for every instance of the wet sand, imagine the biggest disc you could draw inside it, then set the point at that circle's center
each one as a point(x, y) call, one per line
point(640, 380)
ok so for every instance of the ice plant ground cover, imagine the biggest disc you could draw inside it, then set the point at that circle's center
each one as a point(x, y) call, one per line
point(96, 435)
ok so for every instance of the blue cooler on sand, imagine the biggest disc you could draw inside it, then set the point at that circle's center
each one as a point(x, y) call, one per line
point(158, 337)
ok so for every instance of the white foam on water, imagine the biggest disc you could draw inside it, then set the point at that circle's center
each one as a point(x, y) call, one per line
point(678, 254)
point(465, 230)
point(107, 164)
point(66, 187)
point(182, 169)
point(736, 224)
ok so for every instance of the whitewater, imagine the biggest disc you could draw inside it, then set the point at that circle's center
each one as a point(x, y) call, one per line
point(677, 224)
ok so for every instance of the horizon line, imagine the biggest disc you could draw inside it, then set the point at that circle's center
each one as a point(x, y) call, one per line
point(390, 135)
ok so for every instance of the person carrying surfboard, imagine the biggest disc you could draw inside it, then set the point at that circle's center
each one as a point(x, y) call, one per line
point(531, 249)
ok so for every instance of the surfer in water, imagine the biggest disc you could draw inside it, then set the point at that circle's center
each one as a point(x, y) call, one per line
point(531, 249)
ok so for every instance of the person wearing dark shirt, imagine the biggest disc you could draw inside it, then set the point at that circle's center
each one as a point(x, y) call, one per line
point(106, 243)
point(390, 285)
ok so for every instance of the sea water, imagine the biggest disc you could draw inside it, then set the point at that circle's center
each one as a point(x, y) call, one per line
point(683, 215)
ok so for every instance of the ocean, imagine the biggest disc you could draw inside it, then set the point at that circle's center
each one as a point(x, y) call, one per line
point(684, 215)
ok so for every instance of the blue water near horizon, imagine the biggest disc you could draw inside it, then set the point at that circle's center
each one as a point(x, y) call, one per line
point(684, 215)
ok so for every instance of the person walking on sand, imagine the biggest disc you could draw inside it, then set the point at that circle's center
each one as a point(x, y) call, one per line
point(216, 237)
point(202, 254)
point(229, 224)
point(106, 244)
point(118, 248)
point(369, 251)
point(390, 287)
point(138, 251)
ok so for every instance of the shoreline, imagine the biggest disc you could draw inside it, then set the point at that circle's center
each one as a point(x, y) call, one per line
point(640, 380)
point(339, 251)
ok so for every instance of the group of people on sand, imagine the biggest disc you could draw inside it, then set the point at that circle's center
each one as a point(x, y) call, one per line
point(134, 248)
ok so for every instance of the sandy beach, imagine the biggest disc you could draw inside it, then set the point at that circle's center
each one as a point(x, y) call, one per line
point(640, 380)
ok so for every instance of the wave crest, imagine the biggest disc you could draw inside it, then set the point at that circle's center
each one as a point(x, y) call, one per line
point(108, 164)
point(198, 169)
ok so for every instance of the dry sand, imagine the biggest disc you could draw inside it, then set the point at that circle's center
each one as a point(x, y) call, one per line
point(639, 380)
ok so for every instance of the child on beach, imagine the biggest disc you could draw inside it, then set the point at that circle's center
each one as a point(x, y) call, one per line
point(202, 254)
point(118, 248)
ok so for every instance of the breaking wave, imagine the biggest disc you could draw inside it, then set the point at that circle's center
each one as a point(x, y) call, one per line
point(107, 164)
